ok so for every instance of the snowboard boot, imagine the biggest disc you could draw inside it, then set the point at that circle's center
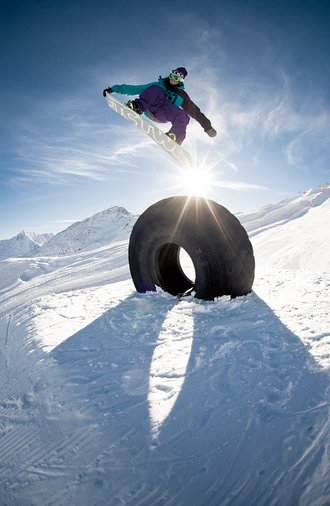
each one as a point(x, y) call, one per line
point(174, 138)
point(133, 104)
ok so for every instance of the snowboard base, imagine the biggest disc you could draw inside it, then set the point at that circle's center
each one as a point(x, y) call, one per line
point(156, 134)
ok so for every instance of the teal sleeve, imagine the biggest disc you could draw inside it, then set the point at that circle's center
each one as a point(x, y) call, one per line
point(130, 89)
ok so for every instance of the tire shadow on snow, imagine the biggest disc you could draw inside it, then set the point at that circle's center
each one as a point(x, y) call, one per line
point(249, 424)
point(250, 419)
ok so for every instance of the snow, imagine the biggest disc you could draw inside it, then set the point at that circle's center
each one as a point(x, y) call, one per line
point(285, 211)
point(23, 244)
point(99, 230)
point(110, 397)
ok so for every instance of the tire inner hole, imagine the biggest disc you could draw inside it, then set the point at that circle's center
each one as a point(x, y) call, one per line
point(174, 270)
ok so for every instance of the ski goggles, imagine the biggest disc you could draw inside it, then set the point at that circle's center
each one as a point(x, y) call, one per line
point(176, 76)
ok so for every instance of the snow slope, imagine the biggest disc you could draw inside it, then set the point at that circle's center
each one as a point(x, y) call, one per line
point(285, 211)
point(109, 397)
point(302, 243)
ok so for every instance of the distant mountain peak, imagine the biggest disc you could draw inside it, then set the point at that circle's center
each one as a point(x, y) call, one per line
point(111, 225)
point(115, 224)
point(21, 245)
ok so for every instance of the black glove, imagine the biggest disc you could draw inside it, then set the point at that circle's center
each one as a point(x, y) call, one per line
point(211, 132)
point(107, 90)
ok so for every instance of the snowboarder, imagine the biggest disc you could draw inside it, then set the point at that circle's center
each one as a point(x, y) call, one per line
point(164, 101)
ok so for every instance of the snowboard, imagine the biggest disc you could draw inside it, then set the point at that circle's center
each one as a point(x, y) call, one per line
point(176, 151)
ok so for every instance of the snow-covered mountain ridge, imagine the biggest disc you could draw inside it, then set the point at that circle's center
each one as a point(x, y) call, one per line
point(23, 244)
point(289, 209)
point(302, 243)
point(282, 221)
point(113, 224)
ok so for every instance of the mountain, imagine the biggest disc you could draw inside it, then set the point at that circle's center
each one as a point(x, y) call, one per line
point(287, 210)
point(280, 220)
point(23, 244)
point(111, 225)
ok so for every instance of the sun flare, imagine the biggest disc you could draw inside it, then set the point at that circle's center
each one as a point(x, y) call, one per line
point(198, 181)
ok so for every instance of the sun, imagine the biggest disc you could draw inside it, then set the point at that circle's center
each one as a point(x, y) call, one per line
point(197, 181)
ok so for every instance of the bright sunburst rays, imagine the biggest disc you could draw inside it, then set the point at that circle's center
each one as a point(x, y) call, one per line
point(198, 180)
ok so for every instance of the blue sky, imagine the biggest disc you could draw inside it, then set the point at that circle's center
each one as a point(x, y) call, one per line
point(258, 69)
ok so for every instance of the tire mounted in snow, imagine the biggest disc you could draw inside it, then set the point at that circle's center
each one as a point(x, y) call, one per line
point(214, 239)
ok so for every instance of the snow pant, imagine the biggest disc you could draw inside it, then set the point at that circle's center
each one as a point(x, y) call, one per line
point(154, 100)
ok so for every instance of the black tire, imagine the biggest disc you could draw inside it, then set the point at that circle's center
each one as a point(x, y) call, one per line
point(214, 239)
